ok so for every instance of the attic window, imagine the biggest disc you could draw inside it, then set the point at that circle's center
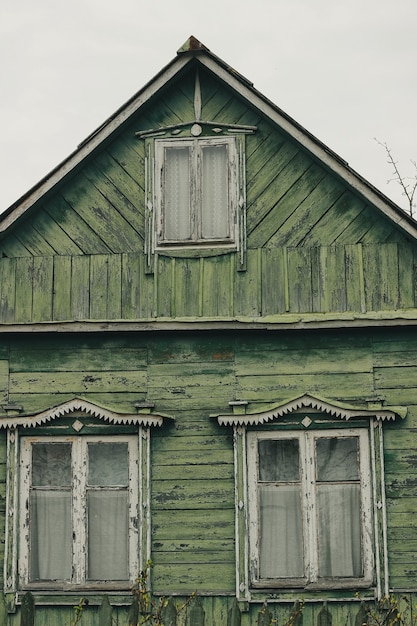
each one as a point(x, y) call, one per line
point(196, 190)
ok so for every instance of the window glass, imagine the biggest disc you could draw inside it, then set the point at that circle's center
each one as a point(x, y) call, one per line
point(51, 464)
point(108, 464)
point(50, 512)
point(214, 190)
point(177, 218)
point(50, 536)
point(107, 535)
point(279, 460)
point(337, 458)
point(81, 503)
point(306, 517)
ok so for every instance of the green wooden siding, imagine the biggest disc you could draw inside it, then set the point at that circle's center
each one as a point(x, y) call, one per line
point(292, 200)
point(192, 467)
point(328, 279)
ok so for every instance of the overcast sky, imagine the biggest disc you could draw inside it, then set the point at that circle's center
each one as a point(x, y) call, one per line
point(344, 69)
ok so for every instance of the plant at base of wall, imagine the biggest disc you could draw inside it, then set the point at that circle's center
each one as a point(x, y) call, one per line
point(391, 610)
point(145, 610)
point(295, 619)
point(78, 611)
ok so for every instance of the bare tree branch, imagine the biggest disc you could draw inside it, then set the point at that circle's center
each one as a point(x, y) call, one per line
point(408, 184)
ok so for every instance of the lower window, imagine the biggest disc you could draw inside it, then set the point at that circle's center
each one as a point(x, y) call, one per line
point(79, 514)
point(310, 508)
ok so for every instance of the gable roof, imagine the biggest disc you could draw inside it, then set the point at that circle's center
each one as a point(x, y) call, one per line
point(191, 51)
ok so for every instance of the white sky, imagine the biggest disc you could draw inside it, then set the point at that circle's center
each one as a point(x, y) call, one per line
point(344, 69)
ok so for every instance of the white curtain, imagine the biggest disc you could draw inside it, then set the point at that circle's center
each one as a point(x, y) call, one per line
point(281, 534)
point(51, 535)
point(339, 531)
point(338, 507)
point(107, 535)
point(214, 190)
point(177, 215)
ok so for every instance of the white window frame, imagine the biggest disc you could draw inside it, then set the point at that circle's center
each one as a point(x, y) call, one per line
point(79, 511)
point(311, 578)
point(196, 146)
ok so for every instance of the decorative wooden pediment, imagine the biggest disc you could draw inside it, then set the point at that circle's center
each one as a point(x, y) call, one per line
point(311, 403)
point(78, 406)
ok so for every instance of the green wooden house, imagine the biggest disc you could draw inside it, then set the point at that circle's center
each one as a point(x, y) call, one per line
point(208, 360)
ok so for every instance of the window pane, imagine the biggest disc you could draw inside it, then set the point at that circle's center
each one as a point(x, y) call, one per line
point(107, 535)
point(339, 529)
point(215, 193)
point(337, 459)
point(50, 535)
point(279, 460)
point(177, 218)
point(108, 464)
point(51, 464)
point(281, 536)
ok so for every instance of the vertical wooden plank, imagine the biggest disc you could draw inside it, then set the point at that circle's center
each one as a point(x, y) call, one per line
point(8, 289)
point(27, 616)
point(248, 287)
point(165, 288)
point(114, 286)
point(3, 610)
point(131, 283)
point(186, 287)
point(195, 613)
point(217, 286)
point(332, 279)
point(324, 618)
point(105, 613)
point(299, 280)
point(381, 276)
point(355, 287)
point(62, 288)
point(264, 616)
point(234, 616)
point(406, 276)
point(133, 615)
point(24, 289)
point(98, 286)
point(361, 616)
point(42, 289)
point(169, 613)
point(80, 287)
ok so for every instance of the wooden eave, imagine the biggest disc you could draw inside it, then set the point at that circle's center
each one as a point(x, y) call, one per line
point(279, 322)
point(308, 402)
point(245, 89)
point(86, 408)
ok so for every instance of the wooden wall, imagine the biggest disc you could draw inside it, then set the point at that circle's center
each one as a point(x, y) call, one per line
point(328, 279)
point(194, 377)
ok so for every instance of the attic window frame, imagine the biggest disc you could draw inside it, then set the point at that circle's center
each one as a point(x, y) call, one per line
point(196, 135)
point(195, 148)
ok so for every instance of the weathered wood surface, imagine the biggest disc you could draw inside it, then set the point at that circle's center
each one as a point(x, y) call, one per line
point(334, 279)
point(193, 511)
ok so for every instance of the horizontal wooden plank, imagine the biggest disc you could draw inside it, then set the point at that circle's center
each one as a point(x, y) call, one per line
point(196, 494)
point(77, 382)
point(205, 577)
point(214, 523)
point(80, 359)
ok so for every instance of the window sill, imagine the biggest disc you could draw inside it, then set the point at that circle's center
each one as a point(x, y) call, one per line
point(72, 597)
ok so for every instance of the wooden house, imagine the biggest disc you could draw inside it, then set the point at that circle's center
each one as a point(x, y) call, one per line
point(208, 360)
